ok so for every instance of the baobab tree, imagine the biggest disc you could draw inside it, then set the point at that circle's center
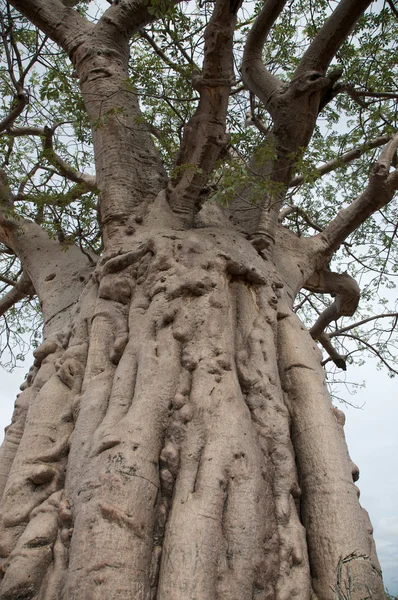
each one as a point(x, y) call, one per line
point(175, 438)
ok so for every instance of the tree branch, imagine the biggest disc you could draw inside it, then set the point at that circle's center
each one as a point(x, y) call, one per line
point(331, 36)
point(393, 8)
point(342, 160)
point(124, 19)
point(254, 74)
point(8, 281)
point(386, 95)
point(22, 101)
point(61, 23)
point(20, 289)
point(338, 359)
point(371, 348)
point(45, 261)
point(380, 190)
point(64, 169)
point(167, 60)
point(343, 287)
point(288, 210)
point(204, 135)
point(362, 322)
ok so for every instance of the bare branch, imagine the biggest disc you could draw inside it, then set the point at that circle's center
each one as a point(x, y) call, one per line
point(342, 160)
point(20, 289)
point(372, 349)
point(254, 74)
point(362, 322)
point(166, 59)
point(338, 359)
point(21, 131)
point(386, 95)
point(7, 280)
point(299, 211)
point(393, 7)
point(64, 169)
point(377, 194)
point(177, 43)
point(331, 36)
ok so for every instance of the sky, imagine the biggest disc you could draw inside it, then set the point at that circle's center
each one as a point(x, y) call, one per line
point(372, 438)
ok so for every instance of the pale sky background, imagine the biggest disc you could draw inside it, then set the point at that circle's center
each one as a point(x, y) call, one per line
point(372, 440)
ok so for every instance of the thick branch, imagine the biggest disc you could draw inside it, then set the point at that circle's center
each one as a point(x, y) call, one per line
point(342, 160)
point(254, 74)
point(21, 289)
point(343, 287)
point(125, 18)
point(204, 135)
point(331, 36)
point(57, 273)
point(380, 190)
point(61, 23)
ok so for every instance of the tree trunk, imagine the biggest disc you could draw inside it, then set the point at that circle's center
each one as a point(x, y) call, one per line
point(175, 439)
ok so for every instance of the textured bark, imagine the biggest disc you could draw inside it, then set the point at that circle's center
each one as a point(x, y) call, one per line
point(174, 439)
point(153, 453)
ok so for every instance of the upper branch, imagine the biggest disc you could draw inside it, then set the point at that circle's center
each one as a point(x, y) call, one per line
point(204, 135)
point(380, 190)
point(23, 287)
point(254, 74)
point(343, 159)
point(331, 36)
point(64, 169)
point(61, 23)
point(124, 18)
point(57, 272)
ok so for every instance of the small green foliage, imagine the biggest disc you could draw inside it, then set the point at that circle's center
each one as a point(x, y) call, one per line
point(159, 8)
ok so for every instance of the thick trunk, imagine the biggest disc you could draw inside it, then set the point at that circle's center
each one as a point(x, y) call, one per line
point(181, 445)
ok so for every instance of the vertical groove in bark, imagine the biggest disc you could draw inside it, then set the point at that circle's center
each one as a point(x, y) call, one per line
point(13, 435)
point(257, 364)
point(219, 494)
point(29, 521)
point(335, 523)
point(114, 482)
